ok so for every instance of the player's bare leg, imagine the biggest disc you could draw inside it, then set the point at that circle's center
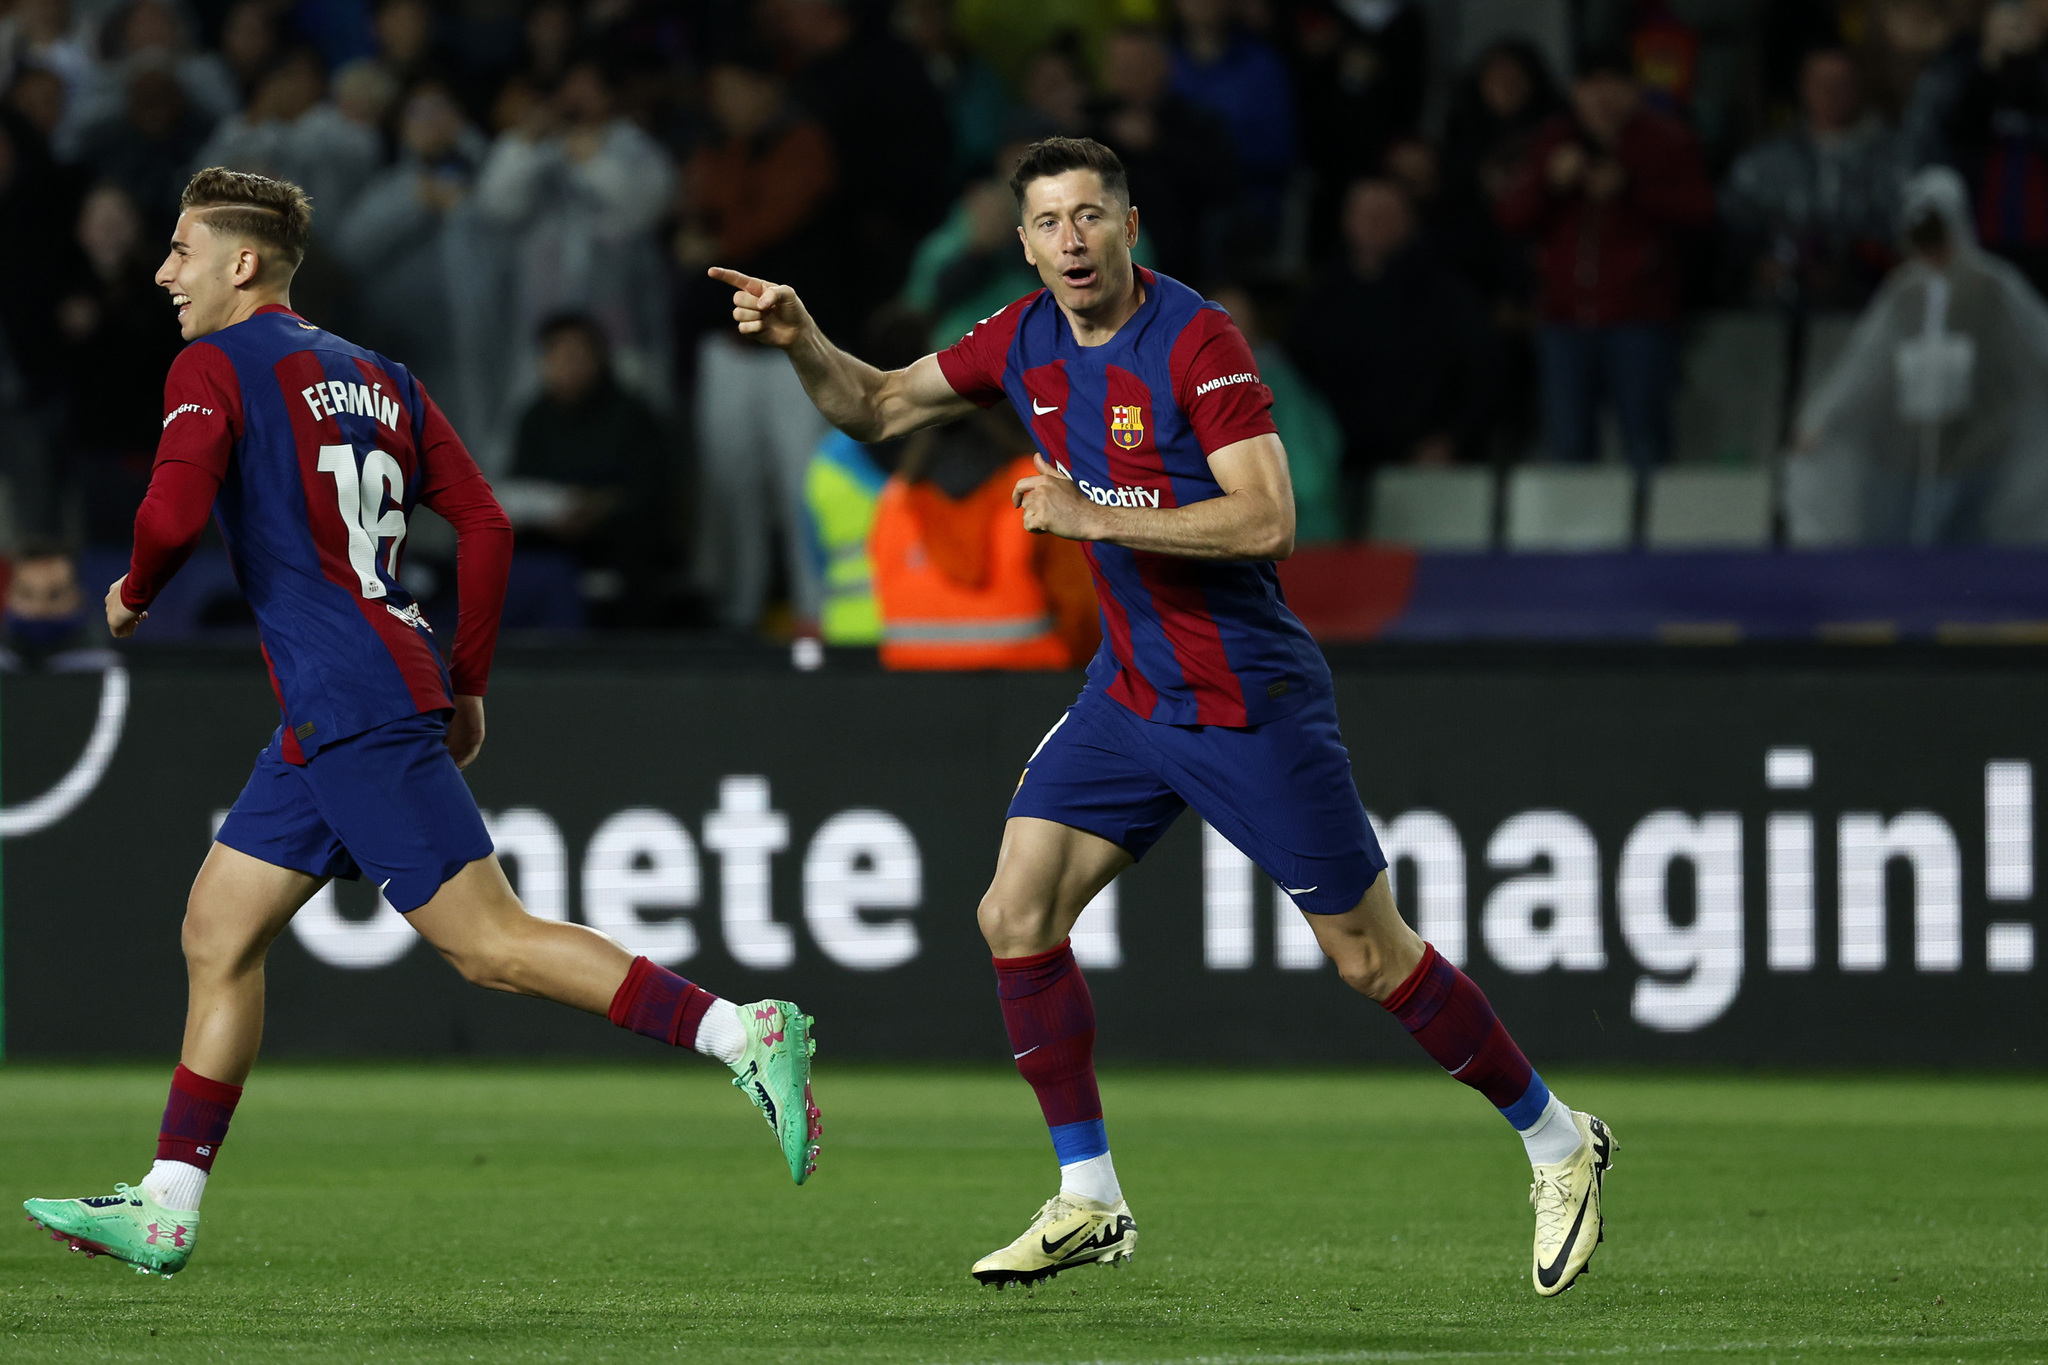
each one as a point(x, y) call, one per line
point(1381, 958)
point(237, 908)
point(475, 921)
point(1046, 874)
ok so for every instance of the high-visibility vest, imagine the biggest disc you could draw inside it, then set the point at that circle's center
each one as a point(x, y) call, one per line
point(841, 485)
point(931, 621)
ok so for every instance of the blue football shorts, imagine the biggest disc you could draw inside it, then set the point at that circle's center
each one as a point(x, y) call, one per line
point(1281, 792)
point(388, 804)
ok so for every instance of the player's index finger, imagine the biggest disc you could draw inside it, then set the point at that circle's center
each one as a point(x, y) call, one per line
point(737, 280)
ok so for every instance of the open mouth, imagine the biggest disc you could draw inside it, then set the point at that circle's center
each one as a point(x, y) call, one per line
point(1079, 276)
point(183, 303)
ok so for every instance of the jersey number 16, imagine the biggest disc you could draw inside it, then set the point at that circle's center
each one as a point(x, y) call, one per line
point(360, 493)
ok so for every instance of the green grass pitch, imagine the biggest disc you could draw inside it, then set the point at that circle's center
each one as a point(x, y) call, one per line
point(526, 1213)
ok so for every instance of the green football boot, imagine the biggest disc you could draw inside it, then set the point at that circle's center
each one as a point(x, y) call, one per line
point(127, 1225)
point(775, 1073)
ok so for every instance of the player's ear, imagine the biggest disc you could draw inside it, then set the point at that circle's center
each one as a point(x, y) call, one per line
point(1131, 227)
point(247, 265)
point(1024, 240)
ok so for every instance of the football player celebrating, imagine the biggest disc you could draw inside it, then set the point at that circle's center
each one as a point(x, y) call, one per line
point(1157, 453)
point(314, 453)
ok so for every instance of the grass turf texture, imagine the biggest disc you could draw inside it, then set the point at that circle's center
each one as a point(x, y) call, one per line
point(497, 1213)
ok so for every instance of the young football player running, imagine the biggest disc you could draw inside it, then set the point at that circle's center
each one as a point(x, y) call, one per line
point(1157, 453)
point(314, 452)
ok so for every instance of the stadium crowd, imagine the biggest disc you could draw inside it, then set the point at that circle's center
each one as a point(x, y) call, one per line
point(1456, 232)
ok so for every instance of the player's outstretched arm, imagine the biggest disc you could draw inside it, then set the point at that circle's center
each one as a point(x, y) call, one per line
point(866, 403)
point(1254, 519)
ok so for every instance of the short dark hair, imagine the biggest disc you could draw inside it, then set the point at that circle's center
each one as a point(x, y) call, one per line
point(574, 320)
point(41, 547)
point(1058, 155)
point(272, 213)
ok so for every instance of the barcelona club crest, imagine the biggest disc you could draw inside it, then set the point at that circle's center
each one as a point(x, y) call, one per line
point(1127, 425)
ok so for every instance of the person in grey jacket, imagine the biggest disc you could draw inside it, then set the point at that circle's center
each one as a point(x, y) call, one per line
point(1820, 200)
point(579, 190)
point(403, 239)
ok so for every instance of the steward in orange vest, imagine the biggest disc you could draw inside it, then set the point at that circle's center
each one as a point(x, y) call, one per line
point(960, 582)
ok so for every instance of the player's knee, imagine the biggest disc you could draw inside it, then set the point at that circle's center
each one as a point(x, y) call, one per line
point(215, 945)
point(1365, 966)
point(1013, 925)
point(501, 958)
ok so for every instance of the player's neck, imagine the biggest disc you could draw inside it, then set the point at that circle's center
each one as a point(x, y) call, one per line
point(248, 304)
point(1103, 322)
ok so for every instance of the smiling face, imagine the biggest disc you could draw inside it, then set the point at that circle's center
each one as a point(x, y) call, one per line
point(207, 275)
point(1079, 236)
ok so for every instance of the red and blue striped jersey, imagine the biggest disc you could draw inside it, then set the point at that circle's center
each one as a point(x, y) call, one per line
point(1133, 422)
point(313, 453)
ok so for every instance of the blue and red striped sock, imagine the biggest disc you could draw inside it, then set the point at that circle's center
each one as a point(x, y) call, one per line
point(1051, 1022)
point(196, 1118)
point(656, 1003)
point(1450, 1017)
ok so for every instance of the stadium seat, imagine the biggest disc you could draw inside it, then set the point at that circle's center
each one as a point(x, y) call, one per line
point(1433, 509)
point(1551, 507)
point(1731, 394)
point(1709, 509)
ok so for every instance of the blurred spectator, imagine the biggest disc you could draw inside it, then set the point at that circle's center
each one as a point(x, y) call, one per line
point(1915, 61)
point(398, 240)
point(1998, 134)
point(962, 584)
point(1307, 424)
point(582, 190)
point(1182, 168)
point(50, 626)
point(37, 95)
point(339, 30)
point(1398, 344)
point(1819, 201)
point(1056, 89)
point(972, 264)
point(1361, 74)
point(365, 93)
point(406, 46)
point(752, 197)
point(1932, 426)
point(590, 473)
point(1237, 76)
point(550, 34)
point(976, 101)
point(870, 91)
point(249, 45)
point(148, 149)
point(119, 338)
point(1501, 104)
point(151, 33)
point(292, 131)
point(46, 35)
point(842, 492)
point(1608, 194)
point(35, 226)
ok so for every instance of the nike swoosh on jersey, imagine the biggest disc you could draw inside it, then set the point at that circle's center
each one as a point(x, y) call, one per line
point(1043, 411)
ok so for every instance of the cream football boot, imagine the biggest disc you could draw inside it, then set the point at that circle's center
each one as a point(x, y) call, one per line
point(1067, 1232)
point(1566, 1196)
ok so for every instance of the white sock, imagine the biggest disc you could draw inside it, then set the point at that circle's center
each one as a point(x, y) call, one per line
point(176, 1185)
point(1094, 1178)
point(1553, 1137)
point(720, 1033)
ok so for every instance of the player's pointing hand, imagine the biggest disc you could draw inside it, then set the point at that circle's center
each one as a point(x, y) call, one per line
point(769, 313)
point(1051, 503)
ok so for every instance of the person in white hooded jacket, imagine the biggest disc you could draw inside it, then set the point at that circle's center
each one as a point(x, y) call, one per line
point(1931, 428)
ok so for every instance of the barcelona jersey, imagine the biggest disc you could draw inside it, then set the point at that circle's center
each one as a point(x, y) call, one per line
point(313, 454)
point(1133, 423)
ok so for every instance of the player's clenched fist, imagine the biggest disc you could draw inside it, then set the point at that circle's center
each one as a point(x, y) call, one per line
point(1051, 503)
point(770, 313)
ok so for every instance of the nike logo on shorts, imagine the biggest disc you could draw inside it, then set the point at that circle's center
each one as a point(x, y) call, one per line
point(1303, 891)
